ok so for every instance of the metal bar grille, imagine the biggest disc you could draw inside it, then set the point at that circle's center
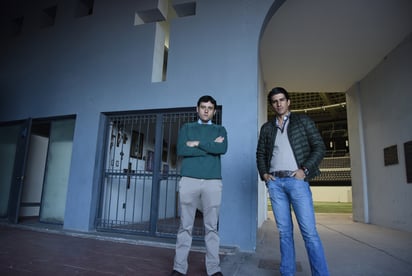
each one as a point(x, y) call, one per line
point(129, 177)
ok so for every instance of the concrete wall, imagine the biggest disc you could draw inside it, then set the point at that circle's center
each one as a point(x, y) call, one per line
point(103, 62)
point(379, 116)
point(332, 194)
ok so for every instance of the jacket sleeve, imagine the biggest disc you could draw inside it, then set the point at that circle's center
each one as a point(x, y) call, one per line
point(263, 146)
point(317, 148)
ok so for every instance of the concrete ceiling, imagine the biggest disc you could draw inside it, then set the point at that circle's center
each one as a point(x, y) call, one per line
point(328, 45)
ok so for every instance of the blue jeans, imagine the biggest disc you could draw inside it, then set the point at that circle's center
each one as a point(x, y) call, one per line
point(287, 192)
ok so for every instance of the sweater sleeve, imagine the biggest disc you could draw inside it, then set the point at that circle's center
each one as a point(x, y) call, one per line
point(213, 147)
point(183, 149)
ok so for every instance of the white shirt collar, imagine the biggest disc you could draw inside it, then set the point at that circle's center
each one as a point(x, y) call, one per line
point(200, 122)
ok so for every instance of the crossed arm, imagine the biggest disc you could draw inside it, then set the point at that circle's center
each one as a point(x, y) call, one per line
point(193, 144)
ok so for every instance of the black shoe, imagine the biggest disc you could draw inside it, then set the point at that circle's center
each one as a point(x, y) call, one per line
point(176, 273)
point(217, 274)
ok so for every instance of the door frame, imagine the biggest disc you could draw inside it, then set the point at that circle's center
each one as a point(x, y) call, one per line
point(19, 168)
point(20, 161)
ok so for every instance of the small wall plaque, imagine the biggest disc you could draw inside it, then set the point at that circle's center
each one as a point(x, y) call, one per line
point(390, 155)
point(408, 160)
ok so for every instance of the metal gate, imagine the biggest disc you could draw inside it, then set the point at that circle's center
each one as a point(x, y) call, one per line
point(139, 189)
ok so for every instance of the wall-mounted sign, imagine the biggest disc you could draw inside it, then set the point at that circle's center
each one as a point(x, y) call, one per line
point(408, 160)
point(390, 155)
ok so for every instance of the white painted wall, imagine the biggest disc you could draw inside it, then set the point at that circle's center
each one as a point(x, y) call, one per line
point(379, 108)
point(332, 194)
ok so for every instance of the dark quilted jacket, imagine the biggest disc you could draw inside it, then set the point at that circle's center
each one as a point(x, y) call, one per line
point(307, 144)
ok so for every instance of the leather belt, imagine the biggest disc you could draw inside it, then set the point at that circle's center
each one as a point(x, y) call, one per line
point(283, 174)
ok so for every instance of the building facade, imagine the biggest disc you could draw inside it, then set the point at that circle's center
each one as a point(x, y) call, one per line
point(94, 92)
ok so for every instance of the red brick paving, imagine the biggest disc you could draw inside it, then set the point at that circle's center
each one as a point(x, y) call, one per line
point(26, 252)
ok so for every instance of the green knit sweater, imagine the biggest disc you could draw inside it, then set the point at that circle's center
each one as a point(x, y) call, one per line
point(203, 161)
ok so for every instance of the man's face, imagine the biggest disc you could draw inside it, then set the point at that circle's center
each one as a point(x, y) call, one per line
point(206, 110)
point(280, 104)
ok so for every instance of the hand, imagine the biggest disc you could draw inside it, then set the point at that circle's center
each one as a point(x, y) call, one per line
point(267, 177)
point(220, 139)
point(300, 174)
point(192, 144)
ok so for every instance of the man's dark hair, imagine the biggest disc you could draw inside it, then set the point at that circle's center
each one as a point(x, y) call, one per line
point(205, 99)
point(278, 90)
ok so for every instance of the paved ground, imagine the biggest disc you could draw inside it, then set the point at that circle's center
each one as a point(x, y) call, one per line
point(351, 249)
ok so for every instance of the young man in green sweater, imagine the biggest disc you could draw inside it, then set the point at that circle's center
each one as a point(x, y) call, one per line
point(200, 144)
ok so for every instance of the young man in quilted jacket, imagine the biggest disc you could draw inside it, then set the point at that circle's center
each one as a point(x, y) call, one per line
point(288, 154)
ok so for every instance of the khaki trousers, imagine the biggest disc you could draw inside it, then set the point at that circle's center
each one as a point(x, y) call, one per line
point(206, 195)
